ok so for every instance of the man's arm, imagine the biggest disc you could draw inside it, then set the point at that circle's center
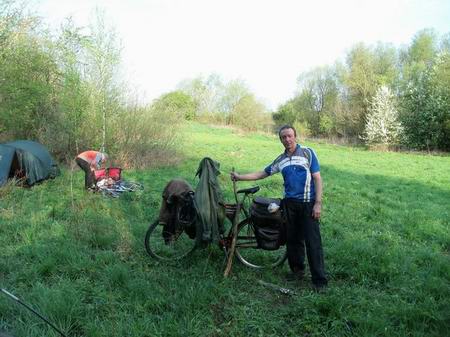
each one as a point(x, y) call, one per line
point(318, 204)
point(249, 176)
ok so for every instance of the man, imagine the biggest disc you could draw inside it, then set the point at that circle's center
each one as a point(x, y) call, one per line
point(89, 161)
point(302, 205)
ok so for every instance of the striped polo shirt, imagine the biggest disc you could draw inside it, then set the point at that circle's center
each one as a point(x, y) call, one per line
point(296, 171)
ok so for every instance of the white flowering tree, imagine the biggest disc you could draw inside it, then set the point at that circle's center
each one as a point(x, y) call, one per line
point(382, 125)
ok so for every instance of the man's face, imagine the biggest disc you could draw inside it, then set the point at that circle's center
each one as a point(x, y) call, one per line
point(287, 137)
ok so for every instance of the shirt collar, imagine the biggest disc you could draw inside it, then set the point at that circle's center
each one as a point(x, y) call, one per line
point(297, 149)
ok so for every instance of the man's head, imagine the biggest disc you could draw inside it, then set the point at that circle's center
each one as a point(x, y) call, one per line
point(288, 138)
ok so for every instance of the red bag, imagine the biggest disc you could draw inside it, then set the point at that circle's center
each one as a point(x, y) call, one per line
point(111, 172)
point(114, 173)
point(100, 174)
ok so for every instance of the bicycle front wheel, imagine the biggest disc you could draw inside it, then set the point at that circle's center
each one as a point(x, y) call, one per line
point(131, 186)
point(168, 246)
point(249, 254)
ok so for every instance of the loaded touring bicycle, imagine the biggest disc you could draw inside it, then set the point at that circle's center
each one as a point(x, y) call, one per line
point(249, 230)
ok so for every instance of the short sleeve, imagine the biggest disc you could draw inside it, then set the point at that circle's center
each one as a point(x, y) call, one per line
point(272, 169)
point(314, 167)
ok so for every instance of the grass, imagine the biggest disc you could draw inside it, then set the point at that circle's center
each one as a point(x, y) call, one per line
point(79, 259)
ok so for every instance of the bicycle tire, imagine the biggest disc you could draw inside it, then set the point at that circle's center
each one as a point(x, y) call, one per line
point(250, 255)
point(132, 186)
point(157, 247)
point(110, 192)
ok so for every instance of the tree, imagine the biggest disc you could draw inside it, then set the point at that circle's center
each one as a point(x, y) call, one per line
point(233, 92)
point(317, 98)
point(103, 74)
point(285, 114)
point(28, 75)
point(250, 114)
point(177, 102)
point(206, 92)
point(382, 126)
point(424, 93)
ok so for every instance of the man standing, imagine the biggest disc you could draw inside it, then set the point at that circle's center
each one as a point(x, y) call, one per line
point(89, 161)
point(302, 205)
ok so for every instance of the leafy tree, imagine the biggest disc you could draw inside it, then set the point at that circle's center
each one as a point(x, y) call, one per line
point(103, 58)
point(382, 126)
point(318, 96)
point(367, 68)
point(250, 114)
point(285, 114)
point(72, 93)
point(440, 94)
point(424, 94)
point(28, 76)
point(232, 94)
point(177, 102)
point(206, 92)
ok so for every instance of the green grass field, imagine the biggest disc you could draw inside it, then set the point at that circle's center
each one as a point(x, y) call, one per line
point(79, 259)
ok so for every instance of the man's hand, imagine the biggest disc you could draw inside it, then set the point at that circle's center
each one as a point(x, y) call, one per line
point(234, 176)
point(316, 210)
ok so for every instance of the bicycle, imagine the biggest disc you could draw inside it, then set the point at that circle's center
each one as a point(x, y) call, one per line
point(115, 189)
point(182, 242)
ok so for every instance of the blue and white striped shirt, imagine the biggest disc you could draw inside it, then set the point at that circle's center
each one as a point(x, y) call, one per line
point(296, 171)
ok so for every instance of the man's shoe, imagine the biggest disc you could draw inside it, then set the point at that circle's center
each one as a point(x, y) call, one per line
point(295, 276)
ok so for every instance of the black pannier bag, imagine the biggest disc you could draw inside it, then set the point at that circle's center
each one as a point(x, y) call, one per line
point(269, 227)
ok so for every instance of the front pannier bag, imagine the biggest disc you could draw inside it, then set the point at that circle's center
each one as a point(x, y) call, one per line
point(269, 227)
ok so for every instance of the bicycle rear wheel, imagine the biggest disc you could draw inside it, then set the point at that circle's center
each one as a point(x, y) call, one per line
point(249, 254)
point(168, 247)
point(131, 186)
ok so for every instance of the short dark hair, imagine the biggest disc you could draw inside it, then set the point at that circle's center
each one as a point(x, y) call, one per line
point(287, 126)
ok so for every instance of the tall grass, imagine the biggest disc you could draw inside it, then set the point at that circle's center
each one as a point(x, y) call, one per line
point(79, 258)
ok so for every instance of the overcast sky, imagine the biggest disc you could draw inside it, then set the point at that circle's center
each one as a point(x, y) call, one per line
point(265, 43)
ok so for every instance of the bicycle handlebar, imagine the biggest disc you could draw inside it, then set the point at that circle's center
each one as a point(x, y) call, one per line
point(250, 190)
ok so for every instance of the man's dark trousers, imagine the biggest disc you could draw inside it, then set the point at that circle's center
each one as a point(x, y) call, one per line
point(303, 229)
point(89, 176)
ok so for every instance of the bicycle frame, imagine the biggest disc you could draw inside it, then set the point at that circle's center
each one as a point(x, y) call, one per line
point(234, 228)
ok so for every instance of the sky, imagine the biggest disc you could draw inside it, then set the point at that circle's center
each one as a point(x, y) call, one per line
point(267, 44)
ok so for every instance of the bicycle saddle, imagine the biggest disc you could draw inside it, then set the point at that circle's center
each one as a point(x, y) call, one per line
point(250, 190)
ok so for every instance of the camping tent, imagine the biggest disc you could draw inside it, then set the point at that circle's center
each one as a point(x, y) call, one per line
point(27, 159)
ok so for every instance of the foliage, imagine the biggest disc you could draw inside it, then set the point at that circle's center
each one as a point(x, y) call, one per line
point(229, 103)
point(28, 77)
point(337, 100)
point(249, 114)
point(425, 97)
point(285, 114)
point(67, 91)
point(382, 125)
point(179, 102)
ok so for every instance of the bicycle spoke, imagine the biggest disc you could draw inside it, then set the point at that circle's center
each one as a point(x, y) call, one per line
point(249, 254)
point(167, 246)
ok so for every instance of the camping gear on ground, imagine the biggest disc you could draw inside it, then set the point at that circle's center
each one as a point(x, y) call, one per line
point(115, 173)
point(268, 222)
point(28, 160)
point(209, 200)
point(15, 298)
point(109, 182)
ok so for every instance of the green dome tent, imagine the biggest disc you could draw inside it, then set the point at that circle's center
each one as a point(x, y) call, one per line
point(24, 158)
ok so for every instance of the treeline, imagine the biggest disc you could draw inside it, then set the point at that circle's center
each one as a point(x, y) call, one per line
point(225, 102)
point(379, 95)
point(66, 92)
